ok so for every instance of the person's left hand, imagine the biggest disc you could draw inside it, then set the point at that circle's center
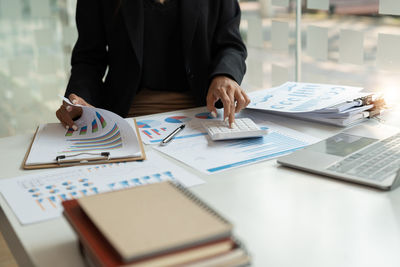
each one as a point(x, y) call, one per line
point(229, 92)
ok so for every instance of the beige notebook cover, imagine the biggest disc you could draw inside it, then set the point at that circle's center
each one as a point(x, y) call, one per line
point(153, 219)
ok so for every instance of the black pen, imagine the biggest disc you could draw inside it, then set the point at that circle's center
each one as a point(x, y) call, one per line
point(172, 135)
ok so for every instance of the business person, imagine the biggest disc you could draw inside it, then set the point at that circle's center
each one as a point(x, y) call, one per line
point(136, 57)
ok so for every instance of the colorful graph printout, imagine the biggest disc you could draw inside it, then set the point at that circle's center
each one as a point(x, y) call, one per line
point(118, 138)
point(154, 133)
point(38, 197)
point(177, 119)
point(83, 130)
point(110, 140)
point(294, 97)
point(212, 157)
point(101, 119)
point(95, 128)
point(70, 132)
point(204, 116)
point(148, 124)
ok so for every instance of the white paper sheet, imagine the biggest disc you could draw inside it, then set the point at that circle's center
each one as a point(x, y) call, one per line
point(280, 35)
point(294, 97)
point(211, 157)
point(318, 4)
point(351, 47)
point(388, 57)
point(38, 197)
point(389, 7)
point(317, 42)
point(282, 3)
point(98, 131)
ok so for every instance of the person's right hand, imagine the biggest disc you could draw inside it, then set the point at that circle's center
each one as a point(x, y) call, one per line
point(67, 113)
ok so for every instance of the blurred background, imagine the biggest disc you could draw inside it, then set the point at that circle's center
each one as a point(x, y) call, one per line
point(350, 42)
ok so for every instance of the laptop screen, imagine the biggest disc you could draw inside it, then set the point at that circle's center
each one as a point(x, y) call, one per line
point(342, 144)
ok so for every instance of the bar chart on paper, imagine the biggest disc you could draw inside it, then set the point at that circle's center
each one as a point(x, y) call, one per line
point(110, 140)
point(38, 197)
point(97, 119)
point(98, 132)
point(212, 157)
point(294, 97)
point(155, 129)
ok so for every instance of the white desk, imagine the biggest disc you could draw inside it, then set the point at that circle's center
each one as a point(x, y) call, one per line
point(285, 217)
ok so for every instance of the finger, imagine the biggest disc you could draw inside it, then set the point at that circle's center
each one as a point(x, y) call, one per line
point(74, 99)
point(60, 118)
point(248, 100)
point(240, 101)
point(65, 118)
point(211, 100)
point(231, 114)
point(75, 113)
point(227, 103)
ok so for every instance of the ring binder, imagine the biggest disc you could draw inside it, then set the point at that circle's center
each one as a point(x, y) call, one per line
point(103, 157)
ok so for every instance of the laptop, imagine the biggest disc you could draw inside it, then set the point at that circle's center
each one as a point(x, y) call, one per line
point(364, 154)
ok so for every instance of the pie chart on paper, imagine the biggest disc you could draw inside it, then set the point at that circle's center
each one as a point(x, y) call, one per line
point(177, 119)
point(204, 116)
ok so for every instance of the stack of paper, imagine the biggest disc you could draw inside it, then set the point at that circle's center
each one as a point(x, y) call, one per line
point(332, 104)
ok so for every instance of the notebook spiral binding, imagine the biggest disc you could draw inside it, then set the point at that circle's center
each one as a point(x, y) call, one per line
point(198, 201)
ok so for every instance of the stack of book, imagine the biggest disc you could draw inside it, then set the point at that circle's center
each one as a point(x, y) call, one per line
point(161, 224)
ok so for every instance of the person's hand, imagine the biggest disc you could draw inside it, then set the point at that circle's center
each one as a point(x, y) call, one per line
point(232, 96)
point(67, 113)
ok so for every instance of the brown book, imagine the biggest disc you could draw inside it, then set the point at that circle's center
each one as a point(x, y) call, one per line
point(99, 252)
point(168, 225)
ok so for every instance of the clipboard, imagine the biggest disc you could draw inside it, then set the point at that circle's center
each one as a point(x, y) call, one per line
point(99, 158)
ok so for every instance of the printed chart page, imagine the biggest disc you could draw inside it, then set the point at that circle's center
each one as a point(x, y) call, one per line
point(293, 97)
point(211, 157)
point(98, 131)
point(38, 197)
point(155, 128)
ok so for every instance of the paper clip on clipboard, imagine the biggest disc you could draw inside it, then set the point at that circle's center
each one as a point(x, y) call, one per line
point(63, 160)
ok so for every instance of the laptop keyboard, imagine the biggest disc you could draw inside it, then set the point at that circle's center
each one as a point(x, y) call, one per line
point(376, 162)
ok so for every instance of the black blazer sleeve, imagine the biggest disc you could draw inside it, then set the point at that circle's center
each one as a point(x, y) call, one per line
point(89, 56)
point(229, 51)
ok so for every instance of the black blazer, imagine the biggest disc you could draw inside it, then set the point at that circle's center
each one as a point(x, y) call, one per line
point(111, 35)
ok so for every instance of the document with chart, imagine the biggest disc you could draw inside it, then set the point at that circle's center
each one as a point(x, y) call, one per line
point(37, 197)
point(293, 97)
point(155, 128)
point(99, 132)
point(211, 157)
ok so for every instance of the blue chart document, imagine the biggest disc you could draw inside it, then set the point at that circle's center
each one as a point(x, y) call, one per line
point(210, 157)
point(294, 97)
point(37, 197)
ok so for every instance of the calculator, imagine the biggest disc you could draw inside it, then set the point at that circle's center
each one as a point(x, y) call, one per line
point(241, 128)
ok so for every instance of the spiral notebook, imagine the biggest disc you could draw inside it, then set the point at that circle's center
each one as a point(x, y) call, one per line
point(155, 219)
